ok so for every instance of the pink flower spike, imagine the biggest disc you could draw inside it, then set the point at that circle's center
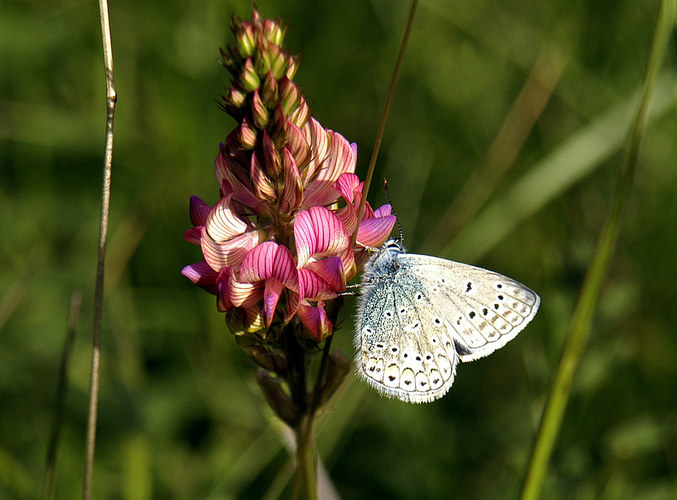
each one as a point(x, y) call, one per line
point(199, 211)
point(375, 231)
point(315, 320)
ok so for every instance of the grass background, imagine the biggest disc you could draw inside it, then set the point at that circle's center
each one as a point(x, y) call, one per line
point(502, 149)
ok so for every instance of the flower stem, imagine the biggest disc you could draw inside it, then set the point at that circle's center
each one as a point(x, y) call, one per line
point(581, 322)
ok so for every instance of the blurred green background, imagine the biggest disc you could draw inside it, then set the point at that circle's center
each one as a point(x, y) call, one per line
point(502, 149)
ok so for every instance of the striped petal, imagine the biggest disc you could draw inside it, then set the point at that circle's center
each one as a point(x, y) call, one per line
point(319, 233)
point(229, 253)
point(223, 223)
point(293, 188)
point(270, 260)
point(340, 159)
point(375, 231)
point(318, 140)
point(315, 320)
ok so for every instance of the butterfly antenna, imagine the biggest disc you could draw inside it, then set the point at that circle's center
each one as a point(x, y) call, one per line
point(397, 219)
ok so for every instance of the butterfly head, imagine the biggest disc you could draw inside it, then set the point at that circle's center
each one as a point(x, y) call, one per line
point(384, 260)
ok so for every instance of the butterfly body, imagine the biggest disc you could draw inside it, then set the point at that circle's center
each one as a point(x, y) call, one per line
point(419, 316)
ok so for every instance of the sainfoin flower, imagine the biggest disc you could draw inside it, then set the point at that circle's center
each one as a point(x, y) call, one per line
point(278, 244)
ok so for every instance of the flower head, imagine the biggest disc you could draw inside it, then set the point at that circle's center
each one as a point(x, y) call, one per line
point(277, 246)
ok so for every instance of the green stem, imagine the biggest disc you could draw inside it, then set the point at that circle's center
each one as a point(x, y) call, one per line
point(581, 322)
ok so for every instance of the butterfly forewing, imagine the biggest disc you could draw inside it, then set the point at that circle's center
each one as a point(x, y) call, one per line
point(484, 309)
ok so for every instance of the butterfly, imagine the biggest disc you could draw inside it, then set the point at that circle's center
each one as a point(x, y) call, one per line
point(418, 316)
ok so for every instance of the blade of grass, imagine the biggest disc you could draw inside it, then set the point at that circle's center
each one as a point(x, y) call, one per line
point(111, 99)
point(581, 321)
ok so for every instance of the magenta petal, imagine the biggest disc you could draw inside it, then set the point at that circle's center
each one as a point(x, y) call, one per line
point(271, 296)
point(270, 260)
point(318, 231)
point(383, 210)
point(331, 271)
point(193, 235)
point(346, 185)
point(199, 211)
point(315, 320)
point(313, 287)
point(374, 232)
point(202, 275)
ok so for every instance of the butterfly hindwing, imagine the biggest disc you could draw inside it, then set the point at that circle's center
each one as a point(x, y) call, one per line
point(404, 351)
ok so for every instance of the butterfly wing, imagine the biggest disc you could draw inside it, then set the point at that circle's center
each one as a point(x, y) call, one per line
point(484, 309)
point(405, 347)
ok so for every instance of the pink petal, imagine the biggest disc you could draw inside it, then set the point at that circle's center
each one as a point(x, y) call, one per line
point(229, 169)
point(318, 233)
point(340, 159)
point(315, 320)
point(270, 260)
point(202, 275)
point(262, 185)
point(271, 296)
point(293, 189)
point(298, 147)
point(223, 223)
point(317, 138)
point(331, 271)
point(243, 294)
point(199, 211)
point(347, 185)
point(374, 232)
point(193, 235)
point(383, 210)
point(229, 253)
point(313, 287)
